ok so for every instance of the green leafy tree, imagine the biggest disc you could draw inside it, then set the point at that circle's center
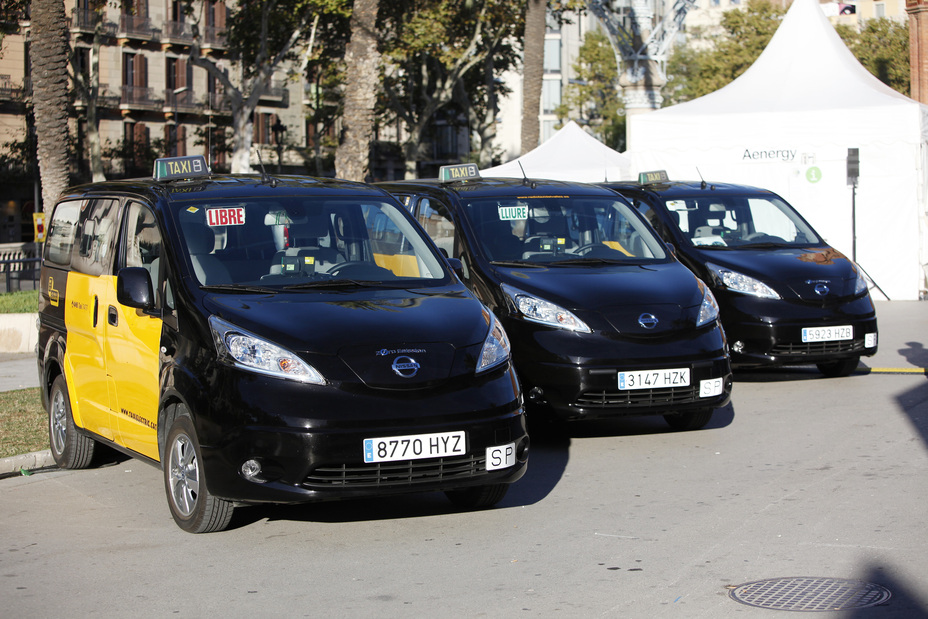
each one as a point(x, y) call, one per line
point(11, 12)
point(882, 46)
point(594, 97)
point(431, 47)
point(261, 37)
point(693, 72)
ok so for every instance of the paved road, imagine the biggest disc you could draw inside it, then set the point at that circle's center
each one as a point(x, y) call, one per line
point(800, 476)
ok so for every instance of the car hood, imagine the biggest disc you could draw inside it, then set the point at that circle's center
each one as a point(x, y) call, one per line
point(619, 294)
point(370, 331)
point(794, 270)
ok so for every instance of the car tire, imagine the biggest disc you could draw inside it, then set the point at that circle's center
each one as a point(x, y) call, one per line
point(70, 448)
point(689, 421)
point(478, 497)
point(841, 367)
point(194, 509)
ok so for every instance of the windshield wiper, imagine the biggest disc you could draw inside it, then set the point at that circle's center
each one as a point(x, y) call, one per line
point(332, 283)
point(765, 245)
point(238, 288)
point(516, 263)
point(588, 262)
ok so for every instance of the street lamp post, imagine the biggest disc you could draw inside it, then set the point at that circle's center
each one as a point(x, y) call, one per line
point(279, 128)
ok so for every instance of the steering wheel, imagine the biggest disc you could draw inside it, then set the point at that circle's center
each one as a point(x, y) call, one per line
point(587, 247)
point(755, 236)
point(360, 269)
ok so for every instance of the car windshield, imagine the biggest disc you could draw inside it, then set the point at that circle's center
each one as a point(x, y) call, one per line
point(555, 230)
point(722, 221)
point(292, 242)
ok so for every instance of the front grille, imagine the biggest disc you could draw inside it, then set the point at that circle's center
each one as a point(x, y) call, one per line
point(396, 474)
point(815, 349)
point(636, 398)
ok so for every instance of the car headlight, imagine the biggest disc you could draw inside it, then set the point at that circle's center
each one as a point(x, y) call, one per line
point(861, 284)
point(544, 312)
point(709, 310)
point(496, 348)
point(739, 282)
point(249, 352)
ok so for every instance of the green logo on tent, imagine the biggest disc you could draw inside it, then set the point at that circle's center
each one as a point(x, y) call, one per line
point(813, 174)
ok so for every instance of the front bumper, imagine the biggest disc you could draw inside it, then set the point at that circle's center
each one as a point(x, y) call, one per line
point(308, 441)
point(769, 333)
point(569, 376)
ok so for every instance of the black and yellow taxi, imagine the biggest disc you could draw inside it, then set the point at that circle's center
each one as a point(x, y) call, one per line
point(270, 339)
point(603, 320)
point(786, 296)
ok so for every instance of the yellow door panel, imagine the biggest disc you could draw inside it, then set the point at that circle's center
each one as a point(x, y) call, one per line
point(133, 363)
point(85, 363)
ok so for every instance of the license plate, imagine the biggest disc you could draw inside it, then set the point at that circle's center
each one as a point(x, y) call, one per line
point(501, 457)
point(828, 334)
point(654, 379)
point(414, 447)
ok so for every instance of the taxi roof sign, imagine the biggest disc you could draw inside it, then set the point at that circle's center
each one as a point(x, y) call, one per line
point(192, 166)
point(657, 176)
point(459, 172)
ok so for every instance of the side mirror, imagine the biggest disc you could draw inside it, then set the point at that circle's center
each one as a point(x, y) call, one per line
point(457, 266)
point(133, 288)
point(673, 250)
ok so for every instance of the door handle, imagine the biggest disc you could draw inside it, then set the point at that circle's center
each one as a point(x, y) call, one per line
point(96, 307)
point(112, 316)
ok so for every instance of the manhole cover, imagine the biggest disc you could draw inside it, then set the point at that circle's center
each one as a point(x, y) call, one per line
point(810, 594)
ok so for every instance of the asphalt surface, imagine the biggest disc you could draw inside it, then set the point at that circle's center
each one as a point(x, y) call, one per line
point(800, 477)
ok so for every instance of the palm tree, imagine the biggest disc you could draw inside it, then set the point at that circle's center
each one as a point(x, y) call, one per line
point(352, 158)
point(532, 71)
point(49, 51)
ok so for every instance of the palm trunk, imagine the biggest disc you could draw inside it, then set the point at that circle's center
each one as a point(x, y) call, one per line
point(532, 72)
point(49, 53)
point(352, 158)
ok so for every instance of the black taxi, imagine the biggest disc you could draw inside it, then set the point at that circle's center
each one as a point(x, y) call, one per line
point(270, 339)
point(786, 297)
point(603, 320)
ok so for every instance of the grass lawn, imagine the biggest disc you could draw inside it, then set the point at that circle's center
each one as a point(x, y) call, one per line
point(24, 302)
point(23, 422)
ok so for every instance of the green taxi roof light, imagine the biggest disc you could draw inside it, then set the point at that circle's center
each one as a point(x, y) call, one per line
point(192, 166)
point(459, 172)
point(657, 176)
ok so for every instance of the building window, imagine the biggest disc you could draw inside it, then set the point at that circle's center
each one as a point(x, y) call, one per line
point(550, 96)
point(879, 9)
point(552, 55)
point(548, 129)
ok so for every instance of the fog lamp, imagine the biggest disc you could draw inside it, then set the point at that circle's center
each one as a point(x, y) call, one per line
point(738, 346)
point(251, 470)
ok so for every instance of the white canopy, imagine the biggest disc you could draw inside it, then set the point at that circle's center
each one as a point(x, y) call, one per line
point(571, 154)
point(787, 123)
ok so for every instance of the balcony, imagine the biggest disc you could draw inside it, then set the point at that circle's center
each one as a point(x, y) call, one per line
point(105, 99)
point(140, 98)
point(177, 33)
point(181, 100)
point(86, 21)
point(135, 27)
point(213, 38)
point(217, 103)
point(277, 92)
point(8, 92)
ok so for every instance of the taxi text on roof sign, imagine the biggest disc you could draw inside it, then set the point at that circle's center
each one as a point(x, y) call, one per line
point(180, 167)
point(658, 176)
point(460, 172)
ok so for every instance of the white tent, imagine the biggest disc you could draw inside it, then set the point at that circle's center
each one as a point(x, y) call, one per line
point(787, 123)
point(571, 154)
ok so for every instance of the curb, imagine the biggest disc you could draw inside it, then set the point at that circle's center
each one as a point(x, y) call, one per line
point(27, 462)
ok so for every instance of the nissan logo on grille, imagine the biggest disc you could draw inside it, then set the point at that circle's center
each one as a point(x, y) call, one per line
point(821, 287)
point(648, 321)
point(405, 367)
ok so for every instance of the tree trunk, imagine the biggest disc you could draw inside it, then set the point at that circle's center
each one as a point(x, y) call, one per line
point(533, 59)
point(49, 54)
point(352, 158)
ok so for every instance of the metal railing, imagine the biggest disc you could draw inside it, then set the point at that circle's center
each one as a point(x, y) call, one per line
point(20, 265)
